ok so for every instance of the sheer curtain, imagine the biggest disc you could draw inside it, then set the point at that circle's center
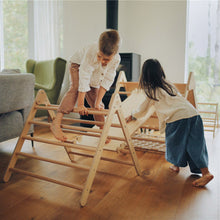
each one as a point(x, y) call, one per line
point(45, 29)
point(1, 38)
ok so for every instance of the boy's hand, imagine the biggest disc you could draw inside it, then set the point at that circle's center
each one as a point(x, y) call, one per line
point(128, 119)
point(99, 106)
point(82, 110)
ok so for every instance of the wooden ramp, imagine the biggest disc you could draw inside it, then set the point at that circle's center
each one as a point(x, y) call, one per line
point(147, 140)
point(144, 131)
point(117, 109)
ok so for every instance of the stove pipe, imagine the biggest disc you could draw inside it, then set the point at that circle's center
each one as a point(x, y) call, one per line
point(112, 14)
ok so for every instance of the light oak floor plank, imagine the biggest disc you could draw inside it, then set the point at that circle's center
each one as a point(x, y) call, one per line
point(117, 191)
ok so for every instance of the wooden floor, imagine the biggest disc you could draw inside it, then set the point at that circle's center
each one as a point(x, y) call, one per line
point(117, 192)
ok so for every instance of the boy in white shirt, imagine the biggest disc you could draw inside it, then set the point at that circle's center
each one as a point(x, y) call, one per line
point(92, 72)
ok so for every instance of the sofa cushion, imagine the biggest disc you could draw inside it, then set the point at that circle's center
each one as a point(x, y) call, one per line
point(16, 91)
point(13, 125)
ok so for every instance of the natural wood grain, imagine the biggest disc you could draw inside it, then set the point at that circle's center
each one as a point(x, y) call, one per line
point(117, 194)
point(117, 191)
point(42, 102)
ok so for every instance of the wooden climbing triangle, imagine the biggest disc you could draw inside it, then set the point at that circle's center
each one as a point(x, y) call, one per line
point(117, 109)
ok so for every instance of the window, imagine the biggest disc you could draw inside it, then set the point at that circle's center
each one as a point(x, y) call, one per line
point(14, 34)
point(203, 48)
point(29, 29)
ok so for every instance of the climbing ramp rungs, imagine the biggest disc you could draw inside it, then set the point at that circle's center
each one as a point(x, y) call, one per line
point(123, 133)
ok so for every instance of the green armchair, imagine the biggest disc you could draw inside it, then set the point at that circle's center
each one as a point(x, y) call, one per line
point(49, 77)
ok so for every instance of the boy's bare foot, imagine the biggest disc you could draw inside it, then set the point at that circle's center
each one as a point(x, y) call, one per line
point(57, 132)
point(203, 180)
point(174, 168)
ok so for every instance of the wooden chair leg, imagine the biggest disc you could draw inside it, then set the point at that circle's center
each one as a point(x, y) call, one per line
point(32, 142)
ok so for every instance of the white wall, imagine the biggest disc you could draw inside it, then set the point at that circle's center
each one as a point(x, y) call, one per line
point(154, 29)
point(83, 23)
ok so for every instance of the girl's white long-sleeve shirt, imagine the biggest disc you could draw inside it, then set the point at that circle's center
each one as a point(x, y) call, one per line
point(168, 108)
point(91, 72)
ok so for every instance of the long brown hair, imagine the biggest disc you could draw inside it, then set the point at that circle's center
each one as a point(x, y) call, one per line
point(153, 77)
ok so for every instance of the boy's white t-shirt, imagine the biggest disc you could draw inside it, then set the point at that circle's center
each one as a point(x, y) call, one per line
point(91, 72)
point(168, 108)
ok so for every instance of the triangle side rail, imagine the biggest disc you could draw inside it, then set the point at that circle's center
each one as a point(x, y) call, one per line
point(113, 105)
point(41, 96)
point(120, 80)
point(129, 141)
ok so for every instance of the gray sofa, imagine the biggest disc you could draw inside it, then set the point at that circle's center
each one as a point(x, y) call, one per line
point(16, 99)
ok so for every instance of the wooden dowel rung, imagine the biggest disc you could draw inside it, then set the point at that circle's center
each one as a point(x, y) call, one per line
point(206, 103)
point(90, 110)
point(208, 125)
point(59, 143)
point(82, 133)
point(76, 120)
point(94, 111)
point(94, 135)
point(78, 128)
point(209, 130)
point(102, 158)
point(209, 119)
point(207, 112)
point(73, 165)
point(124, 93)
point(71, 127)
point(160, 140)
point(46, 107)
point(75, 186)
point(89, 122)
point(119, 138)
